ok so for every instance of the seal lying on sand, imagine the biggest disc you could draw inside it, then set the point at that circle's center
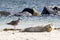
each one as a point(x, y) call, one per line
point(4, 13)
point(47, 28)
point(49, 10)
point(28, 12)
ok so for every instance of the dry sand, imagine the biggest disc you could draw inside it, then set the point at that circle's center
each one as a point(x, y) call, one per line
point(53, 35)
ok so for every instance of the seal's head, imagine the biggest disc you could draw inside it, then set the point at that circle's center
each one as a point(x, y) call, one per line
point(49, 27)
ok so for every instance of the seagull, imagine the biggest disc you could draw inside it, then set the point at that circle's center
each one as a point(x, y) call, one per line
point(14, 23)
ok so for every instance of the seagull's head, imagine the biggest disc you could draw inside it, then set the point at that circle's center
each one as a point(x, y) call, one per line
point(19, 19)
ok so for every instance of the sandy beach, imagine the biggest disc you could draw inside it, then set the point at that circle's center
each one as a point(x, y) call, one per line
point(7, 35)
point(29, 19)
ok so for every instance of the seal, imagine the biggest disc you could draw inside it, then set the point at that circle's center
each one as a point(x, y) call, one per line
point(28, 12)
point(50, 11)
point(32, 11)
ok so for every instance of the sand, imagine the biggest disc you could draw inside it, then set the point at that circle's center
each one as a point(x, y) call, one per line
point(53, 35)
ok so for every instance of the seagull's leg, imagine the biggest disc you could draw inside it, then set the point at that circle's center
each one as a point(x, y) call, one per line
point(14, 29)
